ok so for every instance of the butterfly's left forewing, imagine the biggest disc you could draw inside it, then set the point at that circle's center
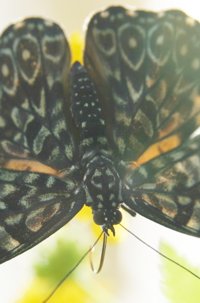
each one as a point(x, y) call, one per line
point(147, 68)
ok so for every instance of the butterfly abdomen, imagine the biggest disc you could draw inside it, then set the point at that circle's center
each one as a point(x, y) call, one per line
point(86, 109)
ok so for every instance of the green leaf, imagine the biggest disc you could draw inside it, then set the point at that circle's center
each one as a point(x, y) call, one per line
point(55, 263)
point(179, 285)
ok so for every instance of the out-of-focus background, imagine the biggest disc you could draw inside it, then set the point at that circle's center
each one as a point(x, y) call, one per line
point(72, 14)
point(132, 272)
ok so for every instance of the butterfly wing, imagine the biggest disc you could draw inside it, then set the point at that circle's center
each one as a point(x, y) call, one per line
point(32, 207)
point(38, 191)
point(167, 188)
point(147, 68)
point(34, 112)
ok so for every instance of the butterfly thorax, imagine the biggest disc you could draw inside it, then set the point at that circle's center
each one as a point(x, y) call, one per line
point(103, 187)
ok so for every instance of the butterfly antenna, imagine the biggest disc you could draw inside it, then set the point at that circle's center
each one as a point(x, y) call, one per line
point(161, 254)
point(74, 267)
point(102, 257)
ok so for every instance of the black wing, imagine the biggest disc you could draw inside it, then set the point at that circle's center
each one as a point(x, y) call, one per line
point(34, 110)
point(32, 207)
point(147, 70)
point(167, 188)
point(147, 67)
point(38, 194)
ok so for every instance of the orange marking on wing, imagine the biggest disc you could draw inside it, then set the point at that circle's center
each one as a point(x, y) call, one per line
point(157, 149)
point(30, 165)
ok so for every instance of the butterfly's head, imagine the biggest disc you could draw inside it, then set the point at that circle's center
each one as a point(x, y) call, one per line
point(107, 218)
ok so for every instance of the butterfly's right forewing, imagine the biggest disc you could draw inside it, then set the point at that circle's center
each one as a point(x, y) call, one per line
point(39, 192)
point(35, 120)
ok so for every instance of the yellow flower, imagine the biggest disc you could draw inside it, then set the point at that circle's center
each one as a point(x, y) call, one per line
point(77, 46)
point(69, 291)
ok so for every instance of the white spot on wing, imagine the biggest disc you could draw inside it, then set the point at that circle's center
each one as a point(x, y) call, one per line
point(195, 63)
point(13, 219)
point(5, 70)
point(26, 55)
point(6, 240)
point(184, 50)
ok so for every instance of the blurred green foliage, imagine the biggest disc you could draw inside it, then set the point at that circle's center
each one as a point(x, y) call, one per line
point(179, 286)
point(57, 261)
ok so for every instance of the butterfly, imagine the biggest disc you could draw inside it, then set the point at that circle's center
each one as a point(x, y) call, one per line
point(113, 133)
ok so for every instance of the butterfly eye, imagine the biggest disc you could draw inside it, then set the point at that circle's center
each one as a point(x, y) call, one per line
point(109, 217)
point(99, 217)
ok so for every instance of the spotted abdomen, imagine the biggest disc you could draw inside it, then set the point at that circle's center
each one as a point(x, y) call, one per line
point(86, 108)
